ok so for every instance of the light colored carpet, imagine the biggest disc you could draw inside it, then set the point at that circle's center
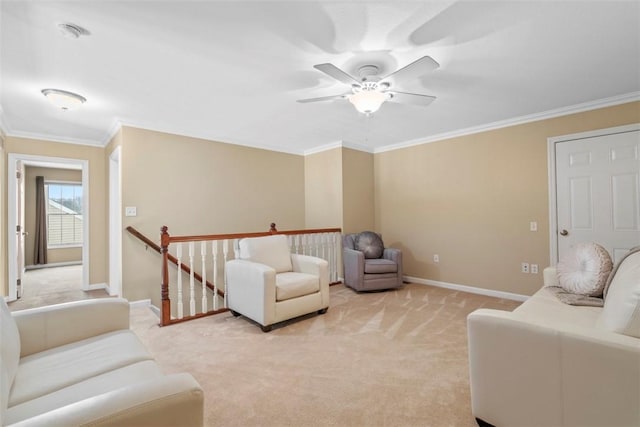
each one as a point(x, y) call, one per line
point(396, 358)
point(53, 285)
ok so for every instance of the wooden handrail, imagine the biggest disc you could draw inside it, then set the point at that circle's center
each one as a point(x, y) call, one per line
point(273, 230)
point(171, 258)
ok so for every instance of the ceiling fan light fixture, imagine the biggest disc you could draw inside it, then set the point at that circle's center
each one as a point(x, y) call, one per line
point(63, 99)
point(368, 101)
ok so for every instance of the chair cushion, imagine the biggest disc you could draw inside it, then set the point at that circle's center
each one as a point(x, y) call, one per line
point(9, 353)
point(370, 244)
point(585, 269)
point(94, 386)
point(269, 250)
point(381, 265)
point(45, 372)
point(293, 285)
point(621, 311)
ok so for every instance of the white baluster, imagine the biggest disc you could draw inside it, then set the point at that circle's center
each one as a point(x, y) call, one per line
point(337, 249)
point(203, 254)
point(192, 290)
point(178, 264)
point(214, 251)
point(225, 253)
point(297, 243)
point(236, 248)
point(290, 241)
point(317, 243)
point(323, 245)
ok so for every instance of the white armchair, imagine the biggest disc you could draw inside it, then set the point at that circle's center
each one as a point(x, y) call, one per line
point(269, 284)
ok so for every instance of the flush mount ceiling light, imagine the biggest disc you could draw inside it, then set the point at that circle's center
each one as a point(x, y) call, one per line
point(63, 99)
point(72, 31)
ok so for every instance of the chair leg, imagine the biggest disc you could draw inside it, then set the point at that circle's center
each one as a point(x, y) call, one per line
point(323, 311)
point(235, 313)
point(266, 328)
point(483, 423)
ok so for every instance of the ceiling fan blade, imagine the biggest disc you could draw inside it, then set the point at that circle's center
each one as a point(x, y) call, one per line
point(415, 69)
point(411, 98)
point(324, 98)
point(336, 73)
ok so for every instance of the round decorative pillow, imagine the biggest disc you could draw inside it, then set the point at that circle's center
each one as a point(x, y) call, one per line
point(585, 269)
point(370, 244)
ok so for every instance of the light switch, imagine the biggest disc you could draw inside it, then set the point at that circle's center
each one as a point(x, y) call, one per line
point(533, 226)
point(130, 211)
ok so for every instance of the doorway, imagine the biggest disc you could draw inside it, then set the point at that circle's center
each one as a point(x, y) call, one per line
point(19, 227)
point(594, 186)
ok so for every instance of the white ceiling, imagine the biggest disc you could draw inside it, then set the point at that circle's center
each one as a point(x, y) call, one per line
point(232, 71)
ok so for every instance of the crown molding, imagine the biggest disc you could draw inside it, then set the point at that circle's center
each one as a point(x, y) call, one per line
point(338, 144)
point(43, 137)
point(115, 127)
point(550, 114)
point(210, 138)
point(321, 148)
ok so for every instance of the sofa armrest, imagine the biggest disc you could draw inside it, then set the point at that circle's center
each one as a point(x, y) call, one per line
point(251, 289)
point(353, 264)
point(394, 255)
point(172, 400)
point(316, 266)
point(311, 265)
point(525, 373)
point(55, 325)
point(550, 276)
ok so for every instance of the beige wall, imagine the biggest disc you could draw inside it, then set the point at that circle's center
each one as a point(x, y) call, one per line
point(323, 189)
point(339, 190)
point(98, 242)
point(54, 255)
point(470, 200)
point(357, 191)
point(195, 186)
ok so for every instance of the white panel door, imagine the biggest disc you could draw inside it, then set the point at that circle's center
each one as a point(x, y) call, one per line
point(597, 193)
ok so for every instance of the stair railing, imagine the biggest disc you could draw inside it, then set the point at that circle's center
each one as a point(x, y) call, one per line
point(213, 251)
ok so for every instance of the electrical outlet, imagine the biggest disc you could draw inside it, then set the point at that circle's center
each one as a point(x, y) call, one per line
point(533, 226)
point(436, 258)
point(524, 267)
point(130, 211)
point(534, 268)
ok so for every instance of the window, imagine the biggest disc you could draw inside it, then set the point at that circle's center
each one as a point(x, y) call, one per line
point(64, 214)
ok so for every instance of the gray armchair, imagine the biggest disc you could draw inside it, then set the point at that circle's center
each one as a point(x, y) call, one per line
point(368, 265)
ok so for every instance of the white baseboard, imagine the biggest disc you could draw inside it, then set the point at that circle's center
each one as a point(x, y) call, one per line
point(96, 286)
point(145, 303)
point(465, 288)
point(140, 303)
point(155, 310)
point(52, 265)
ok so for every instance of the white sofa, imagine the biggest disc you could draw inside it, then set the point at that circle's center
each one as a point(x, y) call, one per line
point(79, 364)
point(551, 364)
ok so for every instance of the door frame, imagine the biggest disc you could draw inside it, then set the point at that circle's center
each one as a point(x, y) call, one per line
point(34, 160)
point(551, 169)
point(115, 223)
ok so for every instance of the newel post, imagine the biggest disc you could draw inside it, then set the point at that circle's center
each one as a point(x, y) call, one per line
point(273, 229)
point(166, 303)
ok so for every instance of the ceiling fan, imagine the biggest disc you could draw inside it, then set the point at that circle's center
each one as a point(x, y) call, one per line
point(370, 91)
